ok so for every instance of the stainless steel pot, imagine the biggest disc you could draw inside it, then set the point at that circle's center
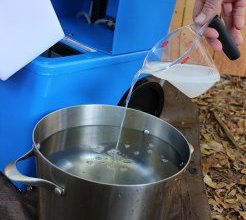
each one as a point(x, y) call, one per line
point(81, 176)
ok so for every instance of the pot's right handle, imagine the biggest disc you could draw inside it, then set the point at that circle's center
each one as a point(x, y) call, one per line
point(13, 174)
point(191, 148)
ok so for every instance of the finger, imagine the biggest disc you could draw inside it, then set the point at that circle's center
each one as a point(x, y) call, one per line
point(210, 33)
point(238, 13)
point(237, 36)
point(227, 14)
point(197, 8)
point(215, 44)
point(209, 10)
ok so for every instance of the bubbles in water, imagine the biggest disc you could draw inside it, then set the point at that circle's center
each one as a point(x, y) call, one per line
point(182, 164)
point(146, 132)
point(136, 153)
point(127, 145)
point(149, 151)
point(127, 161)
point(151, 145)
point(123, 169)
point(98, 148)
point(164, 160)
point(89, 162)
point(112, 152)
point(99, 158)
point(111, 166)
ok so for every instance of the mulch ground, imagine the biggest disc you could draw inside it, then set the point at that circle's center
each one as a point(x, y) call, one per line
point(222, 115)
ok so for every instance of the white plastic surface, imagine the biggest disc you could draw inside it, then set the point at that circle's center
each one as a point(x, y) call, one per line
point(27, 29)
point(192, 80)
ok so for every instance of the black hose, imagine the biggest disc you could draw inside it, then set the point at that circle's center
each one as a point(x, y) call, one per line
point(98, 9)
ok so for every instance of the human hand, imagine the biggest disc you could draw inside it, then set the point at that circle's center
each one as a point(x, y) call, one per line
point(232, 14)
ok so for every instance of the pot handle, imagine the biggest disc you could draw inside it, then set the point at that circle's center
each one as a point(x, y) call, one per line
point(13, 174)
point(191, 148)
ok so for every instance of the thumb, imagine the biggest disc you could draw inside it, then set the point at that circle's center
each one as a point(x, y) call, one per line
point(209, 10)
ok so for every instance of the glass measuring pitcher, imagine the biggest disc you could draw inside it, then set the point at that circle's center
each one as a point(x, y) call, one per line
point(182, 58)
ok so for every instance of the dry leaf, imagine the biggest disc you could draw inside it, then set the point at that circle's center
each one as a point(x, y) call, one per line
point(218, 147)
point(209, 182)
point(230, 201)
point(232, 193)
point(241, 198)
point(215, 205)
point(218, 217)
point(243, 214)
point(219, 201)
point(243, 181)
point(243, 171)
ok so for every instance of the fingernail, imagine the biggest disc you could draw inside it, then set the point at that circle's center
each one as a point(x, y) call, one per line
point(200, 19)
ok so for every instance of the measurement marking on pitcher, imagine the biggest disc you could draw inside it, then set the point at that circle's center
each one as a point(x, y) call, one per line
point(164, 44)
point(185, 60)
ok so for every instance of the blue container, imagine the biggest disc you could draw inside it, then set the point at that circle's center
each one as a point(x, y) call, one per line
point(139, 24)
point(99, 77)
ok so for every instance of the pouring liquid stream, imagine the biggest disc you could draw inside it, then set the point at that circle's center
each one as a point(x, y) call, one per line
point(135, 78)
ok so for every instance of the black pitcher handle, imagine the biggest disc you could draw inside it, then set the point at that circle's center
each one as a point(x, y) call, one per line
point(229, 46)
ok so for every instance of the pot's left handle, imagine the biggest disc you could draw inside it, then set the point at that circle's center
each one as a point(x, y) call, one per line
point(13, 174)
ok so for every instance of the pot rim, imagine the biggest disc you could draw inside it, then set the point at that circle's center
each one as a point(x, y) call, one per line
point(175, 176)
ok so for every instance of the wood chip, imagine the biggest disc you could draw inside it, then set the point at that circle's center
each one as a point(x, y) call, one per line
point(227, 131)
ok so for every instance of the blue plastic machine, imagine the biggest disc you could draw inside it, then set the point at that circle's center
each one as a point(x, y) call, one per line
point(105, 44)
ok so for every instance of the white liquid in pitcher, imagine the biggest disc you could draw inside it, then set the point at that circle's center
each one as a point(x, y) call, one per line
point(192, 80)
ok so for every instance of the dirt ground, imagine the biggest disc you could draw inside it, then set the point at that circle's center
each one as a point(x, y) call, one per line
point(222, 116)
